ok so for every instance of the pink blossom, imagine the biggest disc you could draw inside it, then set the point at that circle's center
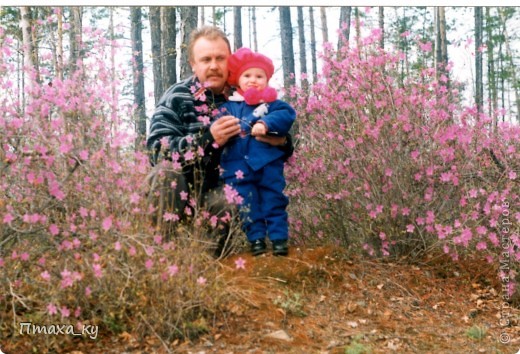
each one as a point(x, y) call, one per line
point(172, 270)
point(65, 312)
point(148, 264)
point(52, 309)
point(410, 228)
point(171, 217)
point(134, 198)
point(97, 269)
point(8, 218)
point(54, 230)
point(239, 174)
point(240, 263)
point(201, 280)
point(107, 223)
point(481, 246)
point(45, 275)
point(189, 155)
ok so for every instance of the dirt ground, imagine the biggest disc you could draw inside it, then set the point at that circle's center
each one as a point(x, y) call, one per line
point(321, 301)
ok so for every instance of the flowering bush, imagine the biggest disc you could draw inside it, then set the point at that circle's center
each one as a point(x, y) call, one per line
point(397, 166)
point(76, 242)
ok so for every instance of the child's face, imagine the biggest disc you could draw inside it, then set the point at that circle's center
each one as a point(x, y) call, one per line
point(253, 77)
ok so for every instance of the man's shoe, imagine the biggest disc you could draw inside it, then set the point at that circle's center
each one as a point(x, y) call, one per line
point(280, 248)
point(258, 247)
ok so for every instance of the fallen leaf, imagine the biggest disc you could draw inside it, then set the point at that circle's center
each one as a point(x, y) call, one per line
point(352, 324)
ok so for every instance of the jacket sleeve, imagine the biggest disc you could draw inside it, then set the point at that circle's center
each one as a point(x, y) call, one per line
point(174, 125)
point(280, 118)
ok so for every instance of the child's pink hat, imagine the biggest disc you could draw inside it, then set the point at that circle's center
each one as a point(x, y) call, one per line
point(244, 59)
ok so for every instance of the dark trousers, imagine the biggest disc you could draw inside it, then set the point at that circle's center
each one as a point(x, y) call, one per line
point(174, 201)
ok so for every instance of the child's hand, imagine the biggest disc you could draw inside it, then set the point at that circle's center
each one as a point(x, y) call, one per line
point(259, 129)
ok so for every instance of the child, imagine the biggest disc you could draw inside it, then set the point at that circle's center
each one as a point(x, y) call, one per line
point(253, 168)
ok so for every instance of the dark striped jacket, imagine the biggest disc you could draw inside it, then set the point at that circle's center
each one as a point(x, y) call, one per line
point(177, 118)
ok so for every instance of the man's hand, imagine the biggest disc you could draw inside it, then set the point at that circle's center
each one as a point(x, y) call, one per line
point(273, 140)
point(224, 128)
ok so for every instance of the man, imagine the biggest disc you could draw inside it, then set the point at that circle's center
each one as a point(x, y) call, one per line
point(179, 126)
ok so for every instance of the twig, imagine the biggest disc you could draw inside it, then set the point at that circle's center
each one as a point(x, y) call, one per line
point(157, 335)
point(277, 279)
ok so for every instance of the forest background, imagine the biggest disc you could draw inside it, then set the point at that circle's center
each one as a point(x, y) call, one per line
point(407, 146)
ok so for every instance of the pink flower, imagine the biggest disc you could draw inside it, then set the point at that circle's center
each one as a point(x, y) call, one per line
point(107, 223)
point(189, 155)
point(45, 275)
point(54, 230)
point(52, 309)
point(65, 312)
point(83, 155)
point(481, 246)
point(201, 280)
point(8, 218)
point(239, 174)
point(148, 264)
point(240, 263)
point(172, 270)
point(134, 198)
point(171, 217)
point(97, 269)
point(410, 228)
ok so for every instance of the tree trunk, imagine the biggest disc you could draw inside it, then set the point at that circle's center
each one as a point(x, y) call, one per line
point(113, 56)
point(255, 33)
point(155, 32)
point(358, 26)
point(479, 84)
point(313, 46)
point(188, 24)
point(381, 16)
point(491, 70)
point(287, 47)
point(168, 46)
point(512, 66)
point(237, 22)
point(59, 48)
point(303, 50)
point(75, 39)
point(202, 16)
point(28, 45)
point(324, 29)
point(441, 45)
point(344, 24)
point(138, 78)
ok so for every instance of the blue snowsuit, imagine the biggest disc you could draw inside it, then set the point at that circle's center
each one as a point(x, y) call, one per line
point(263, 210)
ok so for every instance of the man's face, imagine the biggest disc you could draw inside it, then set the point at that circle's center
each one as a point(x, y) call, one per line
point(209, 63)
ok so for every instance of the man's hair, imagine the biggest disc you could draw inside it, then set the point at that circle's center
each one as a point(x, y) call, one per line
point(209, 32)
